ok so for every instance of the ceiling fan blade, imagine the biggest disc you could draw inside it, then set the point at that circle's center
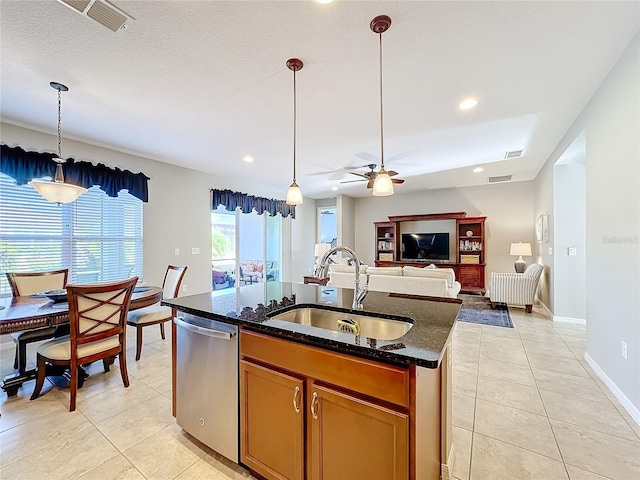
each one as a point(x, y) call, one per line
point(391, 173)
point(369, 157)
point(351, 181)
point(359, 174)
point(371, 182)
point(355, 167)
point(397, 180)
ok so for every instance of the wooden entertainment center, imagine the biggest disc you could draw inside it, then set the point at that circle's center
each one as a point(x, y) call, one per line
point(469, 259)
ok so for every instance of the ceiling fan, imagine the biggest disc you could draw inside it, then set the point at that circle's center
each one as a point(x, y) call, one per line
point(371, 175)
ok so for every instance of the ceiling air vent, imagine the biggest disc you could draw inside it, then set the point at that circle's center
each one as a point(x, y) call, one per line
point(102, 12)
point(513, 154)
point(501, 178)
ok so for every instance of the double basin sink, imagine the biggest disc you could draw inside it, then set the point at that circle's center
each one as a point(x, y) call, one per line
point(359, 324)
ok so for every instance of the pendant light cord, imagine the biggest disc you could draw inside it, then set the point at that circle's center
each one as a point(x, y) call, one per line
point(294, 125)
point(381, 112)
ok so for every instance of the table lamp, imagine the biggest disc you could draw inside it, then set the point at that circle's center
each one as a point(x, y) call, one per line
point(520, 249)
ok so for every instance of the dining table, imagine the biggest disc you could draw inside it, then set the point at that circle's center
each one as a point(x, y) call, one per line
point(18, 314)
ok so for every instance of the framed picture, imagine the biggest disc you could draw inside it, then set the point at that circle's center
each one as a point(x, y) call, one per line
point(542, 228)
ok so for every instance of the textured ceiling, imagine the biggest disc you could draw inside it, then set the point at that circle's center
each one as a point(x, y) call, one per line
point(202, 83)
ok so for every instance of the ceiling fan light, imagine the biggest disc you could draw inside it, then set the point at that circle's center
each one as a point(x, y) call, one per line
point(294, 195)
point(382, 185)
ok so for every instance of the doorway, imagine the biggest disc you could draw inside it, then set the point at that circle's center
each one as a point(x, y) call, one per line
point(569, 234)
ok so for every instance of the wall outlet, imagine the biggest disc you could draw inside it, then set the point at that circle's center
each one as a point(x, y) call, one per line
point(572, 251)
point(184, 288)
point(624, 350)
point(550, 250)
point(176, 251)
point(195, 251)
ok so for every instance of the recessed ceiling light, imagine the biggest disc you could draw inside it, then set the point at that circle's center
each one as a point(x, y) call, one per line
point(468, 103)
point(478, 170)
point(334, 188)
point(247, 158)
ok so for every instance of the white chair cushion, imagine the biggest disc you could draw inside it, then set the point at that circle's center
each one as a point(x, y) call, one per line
point(149, 314)
point(393, 271)
point(60, 348)
point(447, 273)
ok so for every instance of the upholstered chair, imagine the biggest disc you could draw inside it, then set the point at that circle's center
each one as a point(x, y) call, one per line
point(22, 285)
point(157, 314)
point(515, 288)
point(97, 316)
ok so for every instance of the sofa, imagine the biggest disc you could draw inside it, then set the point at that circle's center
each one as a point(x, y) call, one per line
point(430, 281)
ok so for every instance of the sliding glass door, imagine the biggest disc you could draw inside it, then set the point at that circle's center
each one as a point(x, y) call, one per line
point(246, 248)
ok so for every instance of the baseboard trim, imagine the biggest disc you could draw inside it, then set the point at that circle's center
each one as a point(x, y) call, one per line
point(547, 312)
point(576, 321)
point(446, 469)
point(619, 394)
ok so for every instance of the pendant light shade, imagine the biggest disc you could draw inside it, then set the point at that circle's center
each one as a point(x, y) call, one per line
point(58, 191)
point(382, 185)
point(294, 195)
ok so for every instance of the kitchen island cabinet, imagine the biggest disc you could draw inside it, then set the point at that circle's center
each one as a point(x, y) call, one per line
point(321, 404)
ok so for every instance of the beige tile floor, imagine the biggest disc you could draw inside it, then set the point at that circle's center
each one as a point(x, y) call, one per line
point(526, 406)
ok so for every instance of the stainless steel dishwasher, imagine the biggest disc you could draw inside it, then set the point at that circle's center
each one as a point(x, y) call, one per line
point(207, 382)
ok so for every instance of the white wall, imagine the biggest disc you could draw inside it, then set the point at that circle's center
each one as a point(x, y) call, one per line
point(178, 212)
point(346, 221)
point(507, 206)
point(610, 122)
point(303, 238)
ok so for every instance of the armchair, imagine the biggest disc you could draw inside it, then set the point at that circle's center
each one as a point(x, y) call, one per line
point(515, 288)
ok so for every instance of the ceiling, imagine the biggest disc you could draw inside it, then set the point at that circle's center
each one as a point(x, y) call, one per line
point(200, 84)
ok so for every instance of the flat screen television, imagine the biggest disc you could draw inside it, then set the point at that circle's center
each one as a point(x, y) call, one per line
point(425, 246)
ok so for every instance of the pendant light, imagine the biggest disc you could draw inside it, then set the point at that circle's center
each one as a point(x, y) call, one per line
point(294, 195)
point(57, 190)
point(382, 186)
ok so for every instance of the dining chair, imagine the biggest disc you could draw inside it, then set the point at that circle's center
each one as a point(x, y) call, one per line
point(22, 285)
point(157, 314)
point(97, 316)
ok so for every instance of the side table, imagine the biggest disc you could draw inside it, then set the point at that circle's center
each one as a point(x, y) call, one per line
point(310, 279)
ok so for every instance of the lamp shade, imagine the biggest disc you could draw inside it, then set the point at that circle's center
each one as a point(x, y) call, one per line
point(520, 249)
point(321, 248)
point(294, 195)
point(57, 192)
point(382, 185)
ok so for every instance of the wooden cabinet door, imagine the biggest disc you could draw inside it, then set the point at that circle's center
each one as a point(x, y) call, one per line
point(353, 439)
point(272, 422)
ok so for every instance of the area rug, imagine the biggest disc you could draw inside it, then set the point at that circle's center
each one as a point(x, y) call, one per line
point(477, 309)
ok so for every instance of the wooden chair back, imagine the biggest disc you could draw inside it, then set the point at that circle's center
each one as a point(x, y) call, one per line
point(23, 284)
point(172, 280)
point(99, 311)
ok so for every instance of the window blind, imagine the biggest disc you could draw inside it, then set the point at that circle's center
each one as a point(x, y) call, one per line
point(97, 237)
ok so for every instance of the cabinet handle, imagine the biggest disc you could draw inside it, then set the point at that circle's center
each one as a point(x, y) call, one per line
point(314, 400)
point(295, 399)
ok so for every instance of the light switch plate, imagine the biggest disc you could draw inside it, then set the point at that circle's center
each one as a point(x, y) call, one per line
point(195, 251)
point(572, 251)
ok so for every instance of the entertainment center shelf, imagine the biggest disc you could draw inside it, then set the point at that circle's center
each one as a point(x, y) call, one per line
point(450, 240)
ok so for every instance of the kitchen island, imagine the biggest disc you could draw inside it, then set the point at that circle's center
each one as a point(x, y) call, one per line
point(319, 403)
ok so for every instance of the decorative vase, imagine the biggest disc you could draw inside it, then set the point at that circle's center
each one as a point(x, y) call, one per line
point(469, 233)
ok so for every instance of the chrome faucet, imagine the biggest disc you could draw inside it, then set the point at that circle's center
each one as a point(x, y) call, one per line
point(359, 293)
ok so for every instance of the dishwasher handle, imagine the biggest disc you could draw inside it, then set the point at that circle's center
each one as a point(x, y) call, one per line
point(202, 330)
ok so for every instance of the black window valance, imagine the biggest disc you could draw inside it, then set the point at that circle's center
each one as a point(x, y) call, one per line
point(24, 166)
point(231, 200)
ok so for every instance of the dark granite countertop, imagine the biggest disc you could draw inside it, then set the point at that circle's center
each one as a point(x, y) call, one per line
point(251, 305)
